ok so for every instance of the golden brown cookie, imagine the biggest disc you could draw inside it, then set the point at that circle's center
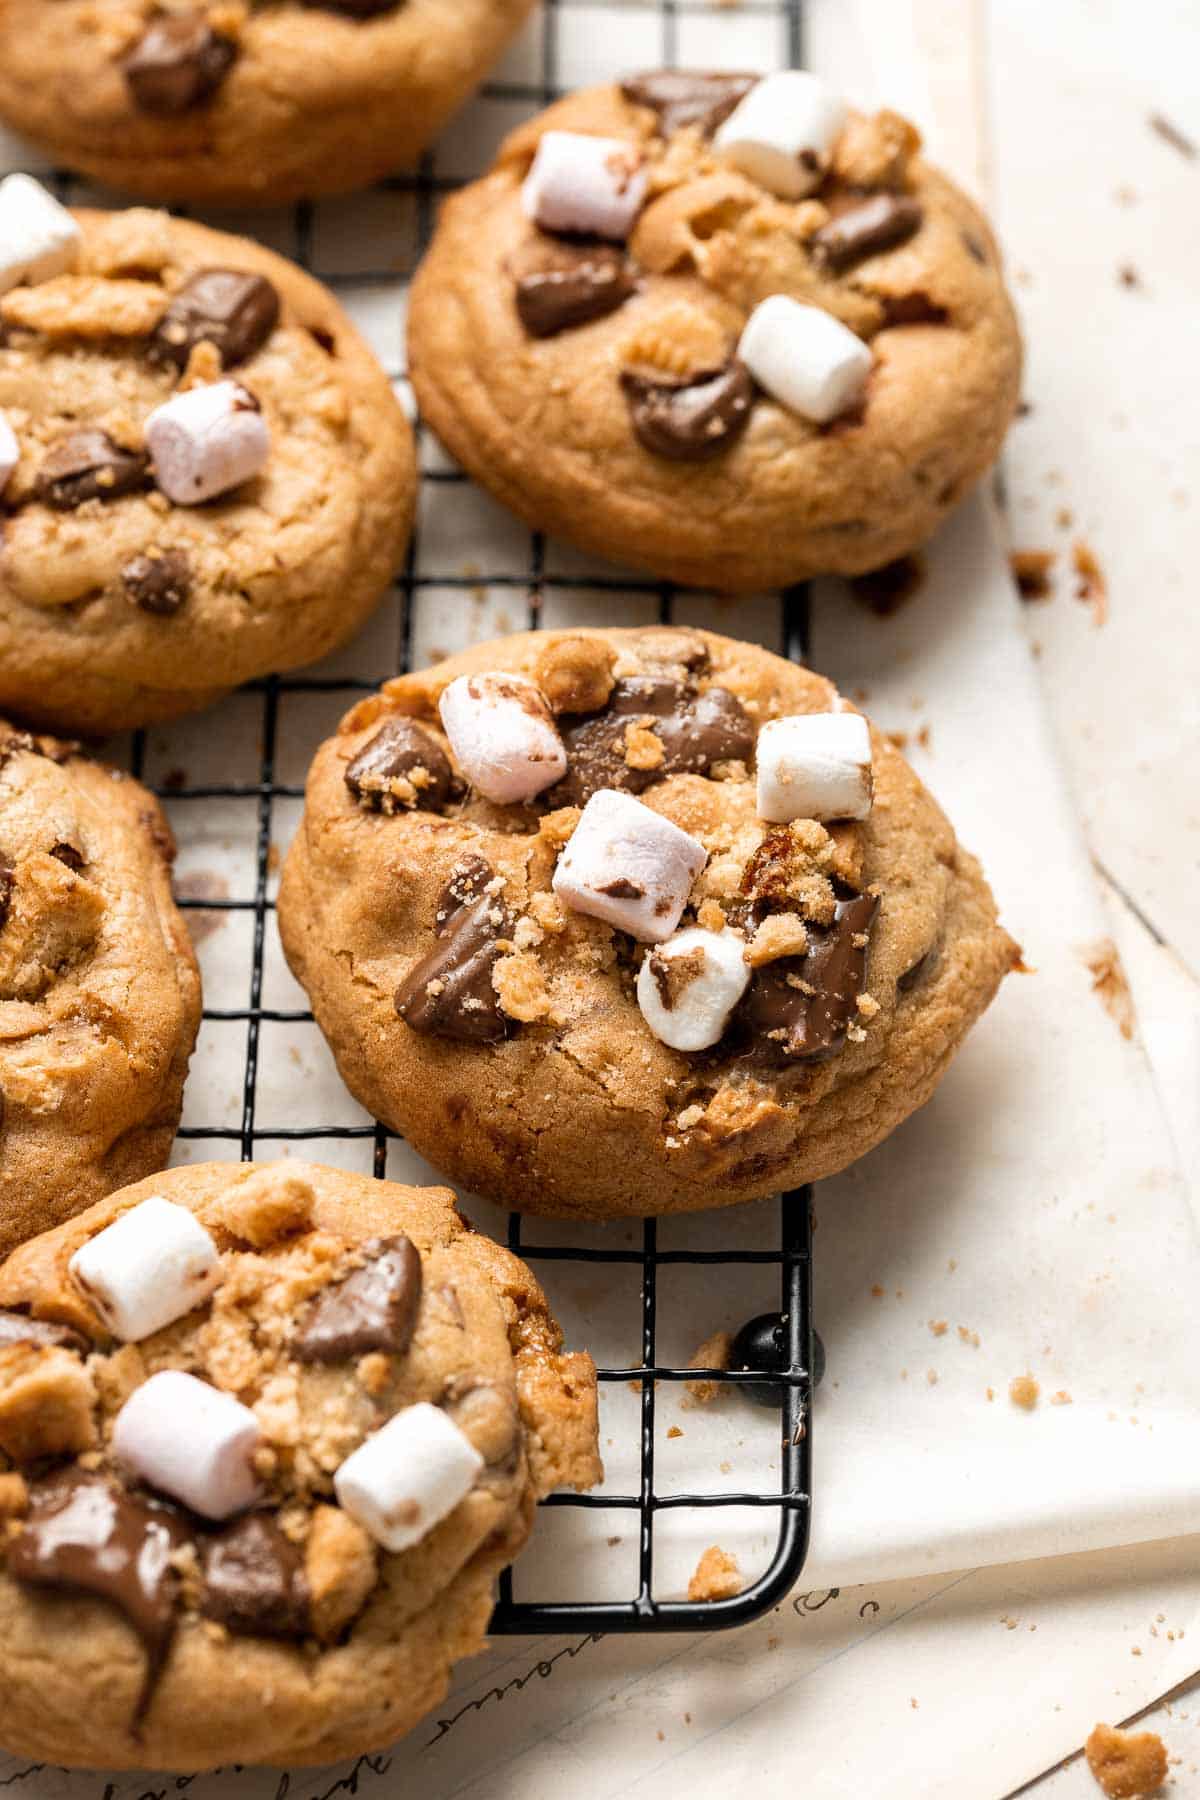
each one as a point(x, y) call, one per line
point(598, 387)
point(332, 1310)
point(246, 101)
point(119, 605)
point(99, 991)
point(472, 1006)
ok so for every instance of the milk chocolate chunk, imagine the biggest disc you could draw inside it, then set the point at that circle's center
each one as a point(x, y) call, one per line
point(159, 581)
point(231, 309)
point(18, 1328)
point(403, 765)
point(88, 465)
point(689, 421)
point(449, 993)
point(683, 97)
point(583, 282)
point(695, 731)
point(798, 1007)
point(254, 1580)
point(373, 1308)
point(178, 62)
point(881, 223)
point(87, 1535)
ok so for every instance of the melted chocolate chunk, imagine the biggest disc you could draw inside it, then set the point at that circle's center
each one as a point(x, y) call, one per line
point(6, 887)
point(798, 1007)
point(695, 731)
point(178, 62)
point(373, 1308)
point(690, 421)
point(68, 854)
point(254, 1580)
point(229, 308)
point(353, 9)
point(584, 282)
point(912, 309)
point(881, 223)
point(683, 97)
point(88, 465)
point(449, 993)
point(17, 1328)
point(158, 582)
point(381, 775)
point(86, 1535)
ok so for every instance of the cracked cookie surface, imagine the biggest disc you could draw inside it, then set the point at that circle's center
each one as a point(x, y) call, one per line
point(500, 1031)
point(594, 387)
point(343, 1644)
point(99, 991)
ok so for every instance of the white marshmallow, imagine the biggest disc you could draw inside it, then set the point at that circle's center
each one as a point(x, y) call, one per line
point(10, 452)
point(38, 237)
point(805, 358)
point(191, 1441)
point(206, 441)
point(582, 183)
point(781, 134)
point(503, 736)
point(147, 1269)
point(700, 1010)
point(814, 766)
point(408, 1476)
point(629, 866)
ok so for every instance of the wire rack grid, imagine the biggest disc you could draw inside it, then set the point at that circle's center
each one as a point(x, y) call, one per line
point(789, 1260)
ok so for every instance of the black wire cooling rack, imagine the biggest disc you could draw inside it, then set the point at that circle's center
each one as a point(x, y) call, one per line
point(642, 1611)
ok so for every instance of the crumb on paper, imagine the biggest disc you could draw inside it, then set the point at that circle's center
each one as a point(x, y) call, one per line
point(884, 591)
point(1126, 1764)
point(967, 1336)
point(1128, 276)
point(1103, 962)
point(876, 1291)
point(1023, 1391)
point(1170, 133)
point(939, 1327)
point(1091, 587)
point(714, 1353)
point(931, 1376)
point(1061, 1398)
point(716, 1576)
point(991, 1393)
point(1009, 1624)
point(1031, 572)
point(673, 1431)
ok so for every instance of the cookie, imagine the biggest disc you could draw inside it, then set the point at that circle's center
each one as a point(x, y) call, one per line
point(243, 101)
point(724, 945)
point(212, 480)
point(270, 1433)
point(639, 345)
point(99, 991)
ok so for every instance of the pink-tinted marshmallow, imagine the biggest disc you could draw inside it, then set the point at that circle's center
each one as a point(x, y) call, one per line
point(190, 1441)
point(206, 441)
point(594, 185)
point(629, 866)
point(503, 736)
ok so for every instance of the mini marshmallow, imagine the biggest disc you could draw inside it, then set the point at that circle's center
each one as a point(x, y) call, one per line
point(805, 358)
point(814, 766)
point(688, 986)
point(147, 1269)
point(191, 1441)
point(503, 736)
point(629, 866)
point(408, 1476)
point(10, 452)
point(580, 183)
point(38, 237)
point(206, 441)
point(781, 134)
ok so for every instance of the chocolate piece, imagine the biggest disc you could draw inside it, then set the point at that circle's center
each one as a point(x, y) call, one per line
point(373, 1308)
point(178, 62)
point(685, 97)
point(690, 421)
point(158, 582)
point(381, 775)
point(6, 887)
point(86, 1535)
point(798, 1007)
point(18, 1328)
point(880, 223)
point(912, 309)
point(229, 308)
point(254, 1580)
point(354, 9)
point(584, 282)
point(68, 854)
point(449, 993)
point(88, 465)
point(695, 731)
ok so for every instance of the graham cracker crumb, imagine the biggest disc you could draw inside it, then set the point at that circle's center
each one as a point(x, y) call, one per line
point(711, 916)
point(939, 1327)
point(1061, 1398)
point(1023, 1391)
point(643, 750)
point(1092, 588)
point(1103, 962)
point(714, 1353)
point(1031, 572)
point(968, 1337)
point(1126, 1764)
point(716, 1576)
point(575, 674)
point(674, 1431)
point(520, 984)
point(780, 934)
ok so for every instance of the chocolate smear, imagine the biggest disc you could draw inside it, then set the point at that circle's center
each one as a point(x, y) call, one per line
point(684, 97)
point(403, 765)
point(695, 731)
point(18, 1328)
point(254, 1581)
point(881, 223)
point(159, 581)
point(87, 1535)
point(88, 465)
point(372, 1308)
point(178, 62)
point(449, 993)
point(582, 283)
point(229, 308)
point(689, 421)
point(798, 1008)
